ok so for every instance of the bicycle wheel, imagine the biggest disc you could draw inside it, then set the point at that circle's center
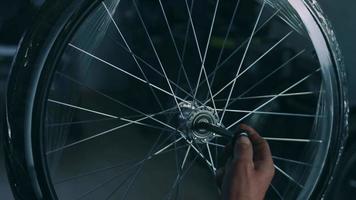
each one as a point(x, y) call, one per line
point(103, 96)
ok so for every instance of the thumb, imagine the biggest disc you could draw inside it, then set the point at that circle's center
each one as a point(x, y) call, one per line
point(243, 150)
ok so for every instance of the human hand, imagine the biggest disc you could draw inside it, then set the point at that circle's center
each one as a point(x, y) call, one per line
point(248, 174)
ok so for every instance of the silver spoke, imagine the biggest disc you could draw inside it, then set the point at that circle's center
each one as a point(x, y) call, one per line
point(273, 72)
point(79, 122)
point(185, 157)
point(239, 48)
point(292, 140)
point(139, 170)
point(233, 81)
point(264, 54)
point(175, 45)
point(180, 177)
point(196, 42)
point(116, 128)
point(101, 134)
point(210, 92)
point(154, 119)
point(165, 111)
point(210, 157)
point(226, 36)
point(170, 150)
point(98, 186)
point(277, 192)
point(216, 144)
point(54, 124)
point(82, 108)
point(193, 28)
point(242, 60)
point(125, 72)
point(169, 110)
point(144, 124)
point(236, 50)
point(202, 59)
point(92, 172)
point(128, 47)
point(246, 41)
point(146, 115)
point(288, 176)
point(154, 69)
point(210, 31)
point(201, 155)
point(138, 164)
point(224, 43)
point(291, 161)
point(270, 96)
point(157, 56)
point(270, 113)
point(166, 147)
point(106, 169)
point(272, 99)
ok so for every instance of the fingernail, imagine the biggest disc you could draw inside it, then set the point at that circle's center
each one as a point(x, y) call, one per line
point(244, 138)
point(243, 134)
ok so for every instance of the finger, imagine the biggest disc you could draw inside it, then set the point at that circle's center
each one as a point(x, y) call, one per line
point(243, 150)
point(229, 148)
point(248, 129)
point(262, 152)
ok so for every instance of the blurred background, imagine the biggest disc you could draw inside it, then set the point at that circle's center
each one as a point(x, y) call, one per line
point(17, 15)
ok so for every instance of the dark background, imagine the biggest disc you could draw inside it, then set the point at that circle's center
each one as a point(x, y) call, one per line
point(16, 16)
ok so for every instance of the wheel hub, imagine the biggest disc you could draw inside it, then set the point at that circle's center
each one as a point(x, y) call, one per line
point(193, 114)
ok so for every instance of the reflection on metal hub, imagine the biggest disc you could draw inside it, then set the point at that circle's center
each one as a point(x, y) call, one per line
point(193, 114)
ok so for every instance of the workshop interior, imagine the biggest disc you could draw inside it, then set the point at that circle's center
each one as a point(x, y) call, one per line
point(138, 99)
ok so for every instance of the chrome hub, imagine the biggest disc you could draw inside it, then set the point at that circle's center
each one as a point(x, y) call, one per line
point(193, 114)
